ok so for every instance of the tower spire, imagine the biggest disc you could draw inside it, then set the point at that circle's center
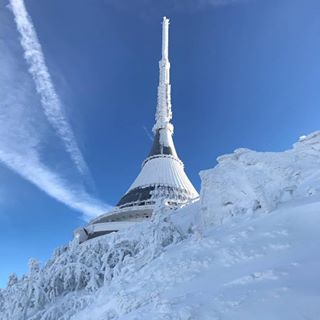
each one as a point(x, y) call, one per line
point(164, 113)
point(165, 38)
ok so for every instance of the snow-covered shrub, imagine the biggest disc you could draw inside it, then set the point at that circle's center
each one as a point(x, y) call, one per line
point(66, 282)
point(248, 181)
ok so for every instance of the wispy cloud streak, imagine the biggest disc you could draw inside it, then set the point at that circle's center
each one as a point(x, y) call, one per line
point(24, 134)
point(149, 135)
point(50, 101)
point(30, 168)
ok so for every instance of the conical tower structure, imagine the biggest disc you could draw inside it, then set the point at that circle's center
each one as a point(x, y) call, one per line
point(162, 175)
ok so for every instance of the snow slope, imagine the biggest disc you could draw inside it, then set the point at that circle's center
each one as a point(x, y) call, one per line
point(249, 249)
point(261, 268)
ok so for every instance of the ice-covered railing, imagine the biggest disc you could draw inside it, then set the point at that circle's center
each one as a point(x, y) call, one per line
point(66, 283)
point(249, 182)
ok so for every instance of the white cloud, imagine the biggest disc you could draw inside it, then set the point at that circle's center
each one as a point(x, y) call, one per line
point(50, 101)
point(30, 168)
point(23, 133)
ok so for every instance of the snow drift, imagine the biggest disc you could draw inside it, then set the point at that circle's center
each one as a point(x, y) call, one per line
point(187, 264)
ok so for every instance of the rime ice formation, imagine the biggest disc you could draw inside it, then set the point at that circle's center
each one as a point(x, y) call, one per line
point(222, 257)
point(162, 175)
point(164, 113)
point(248, 181)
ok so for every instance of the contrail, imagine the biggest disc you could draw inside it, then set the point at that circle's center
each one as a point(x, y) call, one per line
point(31, 169)
point(150, 137)
point(50, 101)
point(22, 139)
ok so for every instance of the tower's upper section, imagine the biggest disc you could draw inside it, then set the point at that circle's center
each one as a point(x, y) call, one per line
point(162, 174)
point(165, 38)
point(164, 113)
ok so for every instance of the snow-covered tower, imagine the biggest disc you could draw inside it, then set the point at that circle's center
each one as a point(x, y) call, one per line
point(162, 174)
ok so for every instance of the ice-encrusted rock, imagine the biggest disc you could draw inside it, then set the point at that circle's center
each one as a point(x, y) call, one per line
point(248, 181)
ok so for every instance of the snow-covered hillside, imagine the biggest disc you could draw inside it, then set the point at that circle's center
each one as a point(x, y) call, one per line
point(249, 249)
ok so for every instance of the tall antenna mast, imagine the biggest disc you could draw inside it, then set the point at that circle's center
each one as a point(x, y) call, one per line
point(164, 113)
point(165, 38)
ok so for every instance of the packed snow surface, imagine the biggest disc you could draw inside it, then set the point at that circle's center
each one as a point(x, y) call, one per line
point(248, 249)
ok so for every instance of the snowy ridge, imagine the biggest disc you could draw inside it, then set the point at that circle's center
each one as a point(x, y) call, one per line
point(261, 263)
point(252, 182)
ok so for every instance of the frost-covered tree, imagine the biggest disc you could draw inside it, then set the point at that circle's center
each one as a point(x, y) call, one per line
point(77, 270)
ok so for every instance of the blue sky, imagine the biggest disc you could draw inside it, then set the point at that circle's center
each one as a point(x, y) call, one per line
point(243, 73)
